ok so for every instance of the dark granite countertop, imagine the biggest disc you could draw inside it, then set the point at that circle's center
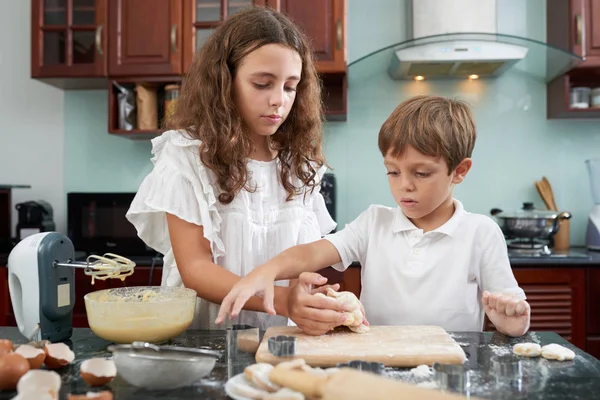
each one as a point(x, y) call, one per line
point(542, 379)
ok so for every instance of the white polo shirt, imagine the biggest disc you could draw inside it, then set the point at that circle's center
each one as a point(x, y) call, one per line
point(436, 278)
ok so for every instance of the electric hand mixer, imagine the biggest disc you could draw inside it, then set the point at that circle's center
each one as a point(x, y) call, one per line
point(41, 282)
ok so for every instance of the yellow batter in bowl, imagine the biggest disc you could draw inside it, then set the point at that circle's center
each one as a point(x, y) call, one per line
point(144, 313)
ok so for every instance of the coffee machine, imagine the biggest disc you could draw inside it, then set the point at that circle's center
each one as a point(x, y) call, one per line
point(593, 227)
point(34, 217)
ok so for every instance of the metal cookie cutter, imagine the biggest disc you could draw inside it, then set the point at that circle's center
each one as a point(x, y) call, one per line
point(374, 367)
point(282, 346)
point(508, 370)
point(451, 377)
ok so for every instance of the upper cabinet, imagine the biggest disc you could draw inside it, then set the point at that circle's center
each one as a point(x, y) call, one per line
point(126, 44)
point(145, 37)
point(574, 25)
point(68, 38)
point(324, 22)
point(203, 16)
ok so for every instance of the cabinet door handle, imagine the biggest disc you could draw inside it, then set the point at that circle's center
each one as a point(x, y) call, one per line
point(579, 27)
point(98, 40)
point(174, 38)
point(339, 35)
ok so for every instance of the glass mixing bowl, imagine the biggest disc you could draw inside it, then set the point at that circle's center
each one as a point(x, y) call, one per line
point(151, 314)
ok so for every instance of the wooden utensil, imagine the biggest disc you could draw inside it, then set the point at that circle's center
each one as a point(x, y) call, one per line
point(550, 193)
point(349, 384)
point(543, 194)
point(401, 346)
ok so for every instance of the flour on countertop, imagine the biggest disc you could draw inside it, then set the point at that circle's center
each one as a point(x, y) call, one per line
point(500, 350)
point(422, 371)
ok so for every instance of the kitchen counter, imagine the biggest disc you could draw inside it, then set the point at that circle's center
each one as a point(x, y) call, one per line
point(576, 256)
point(543, 379)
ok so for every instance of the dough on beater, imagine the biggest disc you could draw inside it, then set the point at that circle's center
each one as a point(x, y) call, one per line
point(527, 349)
point(557, 352)
point(355, 317)
point(258, 374)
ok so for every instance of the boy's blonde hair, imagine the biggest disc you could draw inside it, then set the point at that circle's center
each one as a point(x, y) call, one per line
point(434, 126)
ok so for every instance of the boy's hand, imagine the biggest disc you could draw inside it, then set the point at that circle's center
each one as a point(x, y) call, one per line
point(508, 314)
point(255, 283)
point(315, 315)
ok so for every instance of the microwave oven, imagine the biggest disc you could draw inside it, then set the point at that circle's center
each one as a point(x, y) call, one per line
point(96, 224)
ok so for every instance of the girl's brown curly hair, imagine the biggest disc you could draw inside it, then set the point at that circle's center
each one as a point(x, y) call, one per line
point(207, 111)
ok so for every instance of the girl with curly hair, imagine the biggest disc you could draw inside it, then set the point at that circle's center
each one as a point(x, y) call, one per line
point(236, 179)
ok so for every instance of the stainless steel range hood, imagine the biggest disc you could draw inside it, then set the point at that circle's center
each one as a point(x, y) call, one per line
point(459, 39)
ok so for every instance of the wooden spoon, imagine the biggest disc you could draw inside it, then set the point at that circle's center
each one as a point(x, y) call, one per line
point(551, 194)
point(542, 192)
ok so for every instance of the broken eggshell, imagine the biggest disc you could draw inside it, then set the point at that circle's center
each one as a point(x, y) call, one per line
point(58, 355)
point(38, 384)
point(98, 371)
point(34, 356)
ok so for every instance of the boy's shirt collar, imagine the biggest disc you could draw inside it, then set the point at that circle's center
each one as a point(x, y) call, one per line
point(402, 223)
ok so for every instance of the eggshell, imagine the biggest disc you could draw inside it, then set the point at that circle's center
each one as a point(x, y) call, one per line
point(35, 356)
point(38, 384)
point(98, 371)
point(58, 355)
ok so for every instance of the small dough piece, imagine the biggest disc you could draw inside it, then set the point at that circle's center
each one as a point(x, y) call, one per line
point(527, 349)
point(355, 317)
point(557, 352)
point(245, 390)
point(258, 374)
point(284, 394)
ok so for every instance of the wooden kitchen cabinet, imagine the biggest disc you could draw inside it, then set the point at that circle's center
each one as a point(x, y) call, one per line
point(201, 17)
point(145, 37)
point(324, 22)
point(557, 300)
point(593, 312)
point(574, 25)
point(68, 40)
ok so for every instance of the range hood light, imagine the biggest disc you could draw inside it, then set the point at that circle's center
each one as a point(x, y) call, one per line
point(419, 78)
point(473, 76)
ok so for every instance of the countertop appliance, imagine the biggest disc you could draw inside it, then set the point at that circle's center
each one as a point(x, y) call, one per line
point(41, 283)
point(592, 239)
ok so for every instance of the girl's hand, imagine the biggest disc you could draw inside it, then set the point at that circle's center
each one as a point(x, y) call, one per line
point(508, 314)
point(254, 284)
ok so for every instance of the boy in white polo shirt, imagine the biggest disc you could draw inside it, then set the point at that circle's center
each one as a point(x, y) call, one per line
point(427, 261)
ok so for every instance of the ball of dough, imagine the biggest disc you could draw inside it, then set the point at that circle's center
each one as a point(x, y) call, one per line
point(527, 349)
point(355, 317)
point(557, 352)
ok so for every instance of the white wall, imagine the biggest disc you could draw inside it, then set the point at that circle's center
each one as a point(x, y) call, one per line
point(31, 118)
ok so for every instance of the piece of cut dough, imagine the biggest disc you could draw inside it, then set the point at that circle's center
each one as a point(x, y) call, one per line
point(248, 391)
point(355, 317)
point(557, 352)
point(258, 374)
point(527, 349)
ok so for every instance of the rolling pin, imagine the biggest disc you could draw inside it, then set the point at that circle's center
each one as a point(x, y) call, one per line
point(350, 384)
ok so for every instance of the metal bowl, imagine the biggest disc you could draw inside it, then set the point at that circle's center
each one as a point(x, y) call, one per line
point(145, 313)
point(149, 366)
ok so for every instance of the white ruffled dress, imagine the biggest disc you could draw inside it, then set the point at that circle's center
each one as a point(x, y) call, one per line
point(250, 230)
